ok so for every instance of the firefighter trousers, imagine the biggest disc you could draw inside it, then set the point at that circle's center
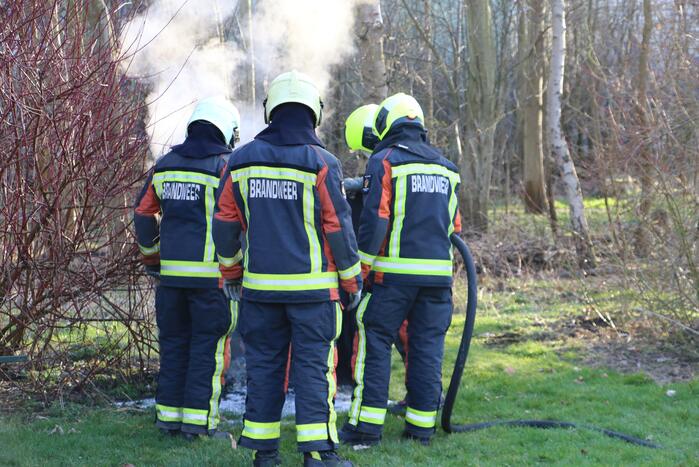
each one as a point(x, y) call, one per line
point(268, 329)
point(379, 319)
point(193, 326)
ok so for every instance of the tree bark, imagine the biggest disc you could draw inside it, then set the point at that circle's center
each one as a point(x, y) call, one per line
point(642, 237)
point(370, 32)
point(482, 104)
point(532, 109)
point(559, 146)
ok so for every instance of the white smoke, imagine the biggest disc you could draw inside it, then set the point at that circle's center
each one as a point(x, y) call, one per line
point(177, 46)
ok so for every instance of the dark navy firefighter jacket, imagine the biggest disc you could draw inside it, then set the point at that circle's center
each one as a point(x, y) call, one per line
point(283, 193)
point(410, 211)
point(182, 190)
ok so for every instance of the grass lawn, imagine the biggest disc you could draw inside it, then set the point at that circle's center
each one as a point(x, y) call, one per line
point(528, 378)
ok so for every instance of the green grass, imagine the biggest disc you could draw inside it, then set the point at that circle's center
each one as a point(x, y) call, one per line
point(526, 379)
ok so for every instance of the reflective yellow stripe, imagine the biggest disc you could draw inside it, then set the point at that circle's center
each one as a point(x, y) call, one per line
point(311, 432)
point(425, 169)
point(372, 415)
point(401, 174)
point(185, 177)
point(195, 416)
point(398, 215)
point(243, 185)
point(189, 269)
point(165, 413)
point(209, 203)
point(149, 250)
point(309, 222)
point(351, 271)
point(366, 258)
point(359, 365)
point(330, 376)
point(421, 418)
point(228, 262)
point(257, 430)
point(311, 281)
point(422, 267)
point(218, 371)
point(277, 173)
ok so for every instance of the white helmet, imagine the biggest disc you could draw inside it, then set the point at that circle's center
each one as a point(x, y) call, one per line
point(221, 113)
point(293, 87)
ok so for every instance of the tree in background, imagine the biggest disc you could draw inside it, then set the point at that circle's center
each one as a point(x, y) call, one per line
point(559, 146)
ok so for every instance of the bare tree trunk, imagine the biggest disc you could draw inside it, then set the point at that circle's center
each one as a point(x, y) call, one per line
point(532, 110)
point(642, 237)
point(251, 46)
point(477, 166)
point(429, 105)
point(370, 31)
point(559, 146)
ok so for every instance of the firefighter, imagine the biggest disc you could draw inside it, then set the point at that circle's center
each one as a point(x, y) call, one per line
point(410, 211)
point(361, 140)
point(194, 317)
point(283, 194)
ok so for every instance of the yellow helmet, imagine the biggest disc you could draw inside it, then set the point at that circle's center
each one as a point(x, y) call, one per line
point(221, 113)
point(293, 87)
point(359, 129)
point(397, 109)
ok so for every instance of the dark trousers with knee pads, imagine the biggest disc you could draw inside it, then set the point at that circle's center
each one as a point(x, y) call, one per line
point(193, 326)
point(379, 318)
point(311, 329)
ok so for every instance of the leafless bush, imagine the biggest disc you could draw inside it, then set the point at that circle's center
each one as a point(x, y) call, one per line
point(71, 153)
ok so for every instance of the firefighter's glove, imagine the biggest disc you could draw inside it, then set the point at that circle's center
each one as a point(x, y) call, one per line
point(354, 299)
point(154, 273)
point(231, 289)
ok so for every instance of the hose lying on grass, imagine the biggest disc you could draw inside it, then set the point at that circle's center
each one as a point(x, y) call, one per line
point(471, 302)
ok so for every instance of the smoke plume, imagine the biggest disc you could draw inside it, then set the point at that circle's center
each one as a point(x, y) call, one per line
point(178, 46)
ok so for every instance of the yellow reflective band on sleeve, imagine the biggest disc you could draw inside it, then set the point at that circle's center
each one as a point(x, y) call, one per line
point(147, 251)
point(219, 357)
point(398, 216)
point(189, 269)
point(420, 418)
point(257, 430)
point(165, 413)
point(185, 177)
point(351, 272)
point(290, 282)
point(309, 221)
point(372, 415)
point(311, 432)
point(195, 416)
point(228, 262)
point(277, 173)
point(421, 267)
point(359, 365)
point(209, 203)
point(366, 258)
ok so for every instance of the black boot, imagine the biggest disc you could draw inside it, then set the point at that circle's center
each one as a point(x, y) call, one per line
point(324, 459)
point(266, 459)
point(168, 432)
point(351, 437)
point(213, 434)
point(424, 440)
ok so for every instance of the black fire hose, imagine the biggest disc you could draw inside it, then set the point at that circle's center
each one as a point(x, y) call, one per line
point(461, 363)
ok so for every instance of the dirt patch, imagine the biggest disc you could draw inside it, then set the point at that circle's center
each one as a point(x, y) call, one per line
point(635, 348)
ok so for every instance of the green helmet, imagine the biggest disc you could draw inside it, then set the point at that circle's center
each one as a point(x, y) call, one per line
point(396, 109)
point(221, 113)
point(359, 129)
point(293, 87)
